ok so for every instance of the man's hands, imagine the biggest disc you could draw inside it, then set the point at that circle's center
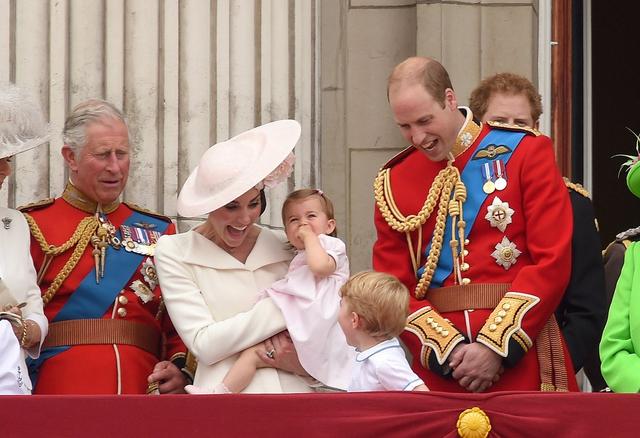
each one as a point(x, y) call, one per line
point(169, 378)
point(475, 366)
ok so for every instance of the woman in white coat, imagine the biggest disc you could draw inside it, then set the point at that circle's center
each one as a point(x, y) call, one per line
point(24, 326)
point(211, 276)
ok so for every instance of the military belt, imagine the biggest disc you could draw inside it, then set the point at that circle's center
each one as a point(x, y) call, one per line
point(103, 331)
point(470, 296)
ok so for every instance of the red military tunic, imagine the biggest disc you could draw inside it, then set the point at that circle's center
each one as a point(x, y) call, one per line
point(118, 368)
point(540, 229)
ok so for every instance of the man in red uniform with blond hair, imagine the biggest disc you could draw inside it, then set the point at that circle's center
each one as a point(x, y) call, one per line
point(108, 330)
point(475, 220)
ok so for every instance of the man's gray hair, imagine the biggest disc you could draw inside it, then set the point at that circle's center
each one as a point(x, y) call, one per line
point(84, 114)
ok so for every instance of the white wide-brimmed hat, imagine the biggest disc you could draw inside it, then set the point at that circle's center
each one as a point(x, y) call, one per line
point(22, 124)
point(230, 168)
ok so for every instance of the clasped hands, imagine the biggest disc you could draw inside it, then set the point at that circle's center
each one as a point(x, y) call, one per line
point(475, 366)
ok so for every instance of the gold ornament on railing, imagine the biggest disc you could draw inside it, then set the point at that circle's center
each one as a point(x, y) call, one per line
point(473, 423)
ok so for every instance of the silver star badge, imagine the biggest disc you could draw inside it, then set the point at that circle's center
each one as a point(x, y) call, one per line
point(142, 291)
point(499, 214)
point(506, 253)
point(148, 271)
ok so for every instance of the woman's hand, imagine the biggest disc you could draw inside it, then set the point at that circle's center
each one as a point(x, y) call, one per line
point(280, 353)
point(17, 329)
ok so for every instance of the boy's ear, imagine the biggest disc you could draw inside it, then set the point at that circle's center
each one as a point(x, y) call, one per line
point(355, 320)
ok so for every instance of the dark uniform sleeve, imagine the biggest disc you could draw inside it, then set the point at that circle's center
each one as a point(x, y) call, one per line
point(613, 261)
point(583, 309)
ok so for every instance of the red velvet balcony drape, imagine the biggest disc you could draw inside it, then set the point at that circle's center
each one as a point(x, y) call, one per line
point(391, 414)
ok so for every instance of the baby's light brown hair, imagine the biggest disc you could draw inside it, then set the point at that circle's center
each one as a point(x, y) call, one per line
point(381, 301)
point(301, 194)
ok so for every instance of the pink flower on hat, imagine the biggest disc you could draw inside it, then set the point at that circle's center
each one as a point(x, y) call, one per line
point(280, 173)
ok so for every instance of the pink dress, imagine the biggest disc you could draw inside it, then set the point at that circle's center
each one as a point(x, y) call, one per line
point(310, 308)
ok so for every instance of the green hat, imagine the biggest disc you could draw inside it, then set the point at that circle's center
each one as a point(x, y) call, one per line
point(632, 165)
point(633, 178)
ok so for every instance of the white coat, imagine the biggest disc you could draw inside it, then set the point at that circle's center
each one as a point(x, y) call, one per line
point(18, 275)
point(212, 300)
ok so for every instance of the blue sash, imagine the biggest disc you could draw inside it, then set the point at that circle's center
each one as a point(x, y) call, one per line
point(472, 178)
point(91, 300)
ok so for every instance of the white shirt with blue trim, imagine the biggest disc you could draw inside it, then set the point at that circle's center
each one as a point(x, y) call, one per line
point(383, 367)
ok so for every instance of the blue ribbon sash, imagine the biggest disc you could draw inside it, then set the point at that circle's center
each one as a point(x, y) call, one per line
point(91, 299)
point(471, 177)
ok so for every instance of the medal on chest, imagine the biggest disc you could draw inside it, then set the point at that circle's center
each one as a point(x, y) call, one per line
point(501, 175)
point(487, 175)
point(506, 253)
point(499, 214)
point(139, 239)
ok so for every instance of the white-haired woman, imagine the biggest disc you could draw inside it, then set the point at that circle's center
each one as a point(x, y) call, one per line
point(23, 325)
point(211, 275)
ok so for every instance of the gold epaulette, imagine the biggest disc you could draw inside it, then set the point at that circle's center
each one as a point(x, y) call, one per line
point(399, 157)
point(147, 212)
point(509, 127)
point(576, 187)
point(37, 205)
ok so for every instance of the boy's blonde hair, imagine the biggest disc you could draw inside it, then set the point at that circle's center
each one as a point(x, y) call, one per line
point(381, 301)
point(301, 194)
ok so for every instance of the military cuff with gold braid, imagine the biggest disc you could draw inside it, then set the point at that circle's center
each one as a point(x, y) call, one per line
point(503, 331)
point(186, 364)
point(438, 337)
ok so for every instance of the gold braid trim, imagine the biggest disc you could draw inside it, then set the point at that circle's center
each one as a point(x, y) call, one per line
point(440, 193)
point(389, 209)
point(576, 187)
point(80, 239)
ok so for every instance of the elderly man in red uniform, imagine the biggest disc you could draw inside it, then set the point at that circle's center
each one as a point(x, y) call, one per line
point(475, 219)
point(108, 328)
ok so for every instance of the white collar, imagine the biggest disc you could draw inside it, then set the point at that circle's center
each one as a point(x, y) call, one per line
point(389, 343)
point(267, 250)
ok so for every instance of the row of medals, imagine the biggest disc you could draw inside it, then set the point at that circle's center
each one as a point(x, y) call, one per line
point(140, 240)
point(494, 176)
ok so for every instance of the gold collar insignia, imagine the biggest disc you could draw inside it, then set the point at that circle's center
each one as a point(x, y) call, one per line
point(468, 133)
point(80, 201)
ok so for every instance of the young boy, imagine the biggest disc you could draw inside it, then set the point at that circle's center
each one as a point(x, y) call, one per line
point(373, 312)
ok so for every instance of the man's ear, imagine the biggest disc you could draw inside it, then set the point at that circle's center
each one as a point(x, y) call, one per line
point(70, 158)
point(450, 100)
